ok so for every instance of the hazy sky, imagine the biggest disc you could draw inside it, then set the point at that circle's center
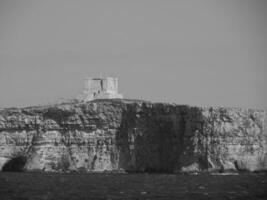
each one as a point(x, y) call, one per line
point(187, 52)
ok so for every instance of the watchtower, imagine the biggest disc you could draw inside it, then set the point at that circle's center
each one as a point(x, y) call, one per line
point(100, 88)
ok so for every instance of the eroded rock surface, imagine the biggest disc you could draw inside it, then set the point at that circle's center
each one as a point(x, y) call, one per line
point(120, 135)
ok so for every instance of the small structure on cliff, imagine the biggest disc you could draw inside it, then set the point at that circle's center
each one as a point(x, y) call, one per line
point(100, 88)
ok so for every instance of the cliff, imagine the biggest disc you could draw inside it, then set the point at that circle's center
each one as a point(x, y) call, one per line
point(139, 136)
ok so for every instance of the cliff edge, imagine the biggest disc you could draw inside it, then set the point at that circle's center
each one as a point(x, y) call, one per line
point(138, 136)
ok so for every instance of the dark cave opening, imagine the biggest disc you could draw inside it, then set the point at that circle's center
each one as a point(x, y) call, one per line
point(15, 164)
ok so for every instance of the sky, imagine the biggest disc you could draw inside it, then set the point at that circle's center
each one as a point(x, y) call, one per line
point(201, 52)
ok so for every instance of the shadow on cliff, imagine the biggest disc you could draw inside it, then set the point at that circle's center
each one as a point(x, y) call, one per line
point(158, 138)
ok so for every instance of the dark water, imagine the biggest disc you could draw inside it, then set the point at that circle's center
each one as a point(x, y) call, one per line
point(130, 186)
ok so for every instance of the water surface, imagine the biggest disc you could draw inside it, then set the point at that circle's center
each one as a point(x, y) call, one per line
point(130, 186)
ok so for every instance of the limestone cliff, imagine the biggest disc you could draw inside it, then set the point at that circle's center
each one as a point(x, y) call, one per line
point(108, 135)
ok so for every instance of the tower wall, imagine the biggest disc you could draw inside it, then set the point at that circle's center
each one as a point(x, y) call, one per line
point(112, 85)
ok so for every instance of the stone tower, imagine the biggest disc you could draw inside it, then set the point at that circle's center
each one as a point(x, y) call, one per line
point(100, 88)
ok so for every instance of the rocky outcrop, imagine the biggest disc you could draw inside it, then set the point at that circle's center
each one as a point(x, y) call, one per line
point(139, 136)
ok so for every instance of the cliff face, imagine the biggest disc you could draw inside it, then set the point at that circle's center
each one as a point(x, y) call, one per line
point(132, 136)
